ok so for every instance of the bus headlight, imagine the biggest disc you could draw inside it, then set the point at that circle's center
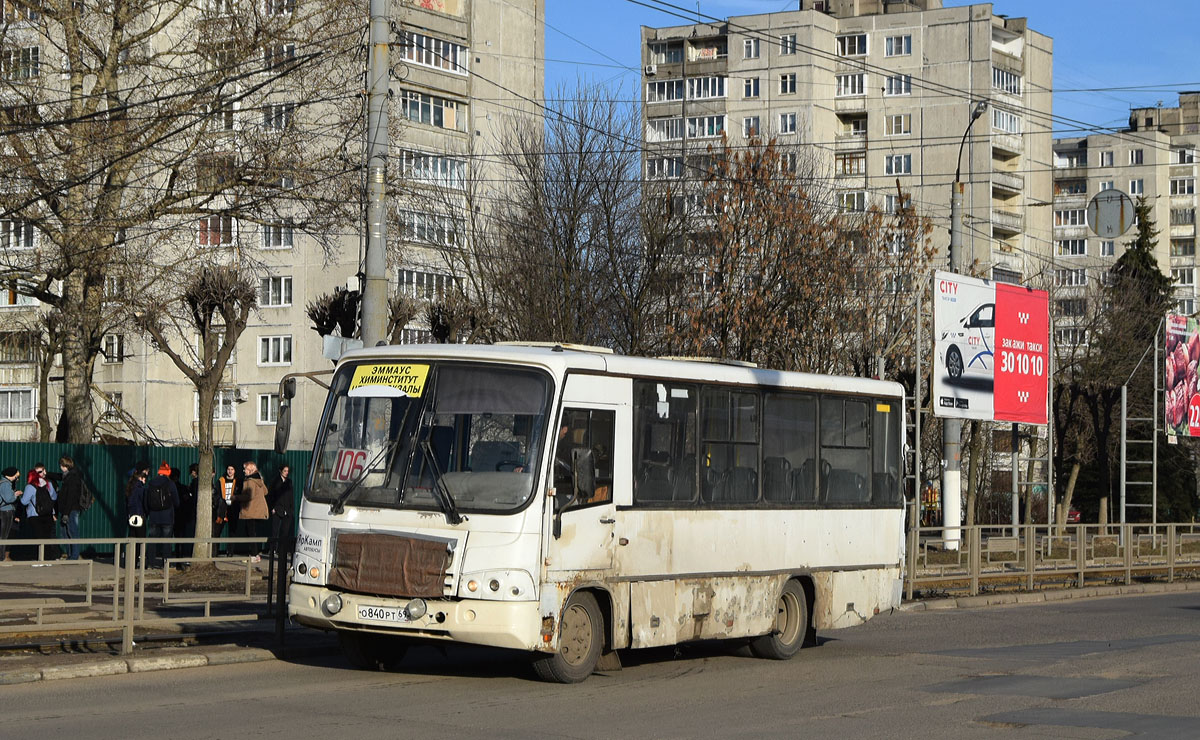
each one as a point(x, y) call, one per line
point(415, 609)
point(507, 585)
point(332, 604)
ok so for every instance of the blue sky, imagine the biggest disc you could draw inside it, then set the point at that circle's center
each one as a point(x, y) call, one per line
point(1158, 47)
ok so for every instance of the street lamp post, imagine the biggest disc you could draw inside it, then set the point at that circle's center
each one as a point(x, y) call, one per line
point(952, 428)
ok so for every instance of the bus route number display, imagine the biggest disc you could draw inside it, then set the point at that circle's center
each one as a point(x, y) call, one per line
point(349, 466)
point(389, 379)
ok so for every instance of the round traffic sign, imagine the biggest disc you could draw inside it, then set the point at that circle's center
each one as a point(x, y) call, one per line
point(1110, 213)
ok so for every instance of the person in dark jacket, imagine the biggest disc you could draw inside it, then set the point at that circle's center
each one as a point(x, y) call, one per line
point(70, 491)
point(160, 520)
point(40, 523)
point(280, 499)
point(8, 506)
point(135, 499)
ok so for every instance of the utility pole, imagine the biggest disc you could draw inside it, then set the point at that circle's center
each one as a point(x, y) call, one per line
point(951, 427)
point(374, 289)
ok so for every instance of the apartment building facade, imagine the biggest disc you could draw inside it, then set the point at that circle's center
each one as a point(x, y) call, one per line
point(881, 92)
point(462, 71)
point(1154, 158)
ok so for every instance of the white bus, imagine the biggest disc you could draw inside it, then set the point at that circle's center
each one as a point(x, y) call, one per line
point(571, 502)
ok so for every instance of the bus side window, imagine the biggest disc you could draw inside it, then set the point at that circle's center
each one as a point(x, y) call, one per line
point(586, 429)
point(664, 452)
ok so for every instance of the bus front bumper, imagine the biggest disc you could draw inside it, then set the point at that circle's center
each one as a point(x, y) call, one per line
point(506, 624)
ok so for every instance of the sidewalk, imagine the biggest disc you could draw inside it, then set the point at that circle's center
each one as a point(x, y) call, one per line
point(1037, 597)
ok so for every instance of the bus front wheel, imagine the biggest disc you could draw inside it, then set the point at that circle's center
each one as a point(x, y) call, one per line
point(791, 625)
point(580, 638)
point(368, 652)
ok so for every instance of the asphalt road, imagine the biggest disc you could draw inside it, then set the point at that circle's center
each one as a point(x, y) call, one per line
point(1102, 668)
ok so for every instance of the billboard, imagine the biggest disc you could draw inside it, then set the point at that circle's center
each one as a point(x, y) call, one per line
point(1180, 397)
point(991, 350)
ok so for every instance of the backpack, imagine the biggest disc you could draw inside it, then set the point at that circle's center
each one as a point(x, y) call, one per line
point(86, 497)
point(158, 497)
point(42, 503)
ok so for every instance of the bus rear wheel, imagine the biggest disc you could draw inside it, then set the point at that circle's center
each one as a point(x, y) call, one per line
point(368, 652)
point(791, 625)
point(580, 639)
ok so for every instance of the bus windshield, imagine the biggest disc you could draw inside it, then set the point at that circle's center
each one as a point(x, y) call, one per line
point(430, 435)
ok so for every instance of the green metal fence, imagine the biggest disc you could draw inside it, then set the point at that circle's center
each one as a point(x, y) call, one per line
point(106, 468)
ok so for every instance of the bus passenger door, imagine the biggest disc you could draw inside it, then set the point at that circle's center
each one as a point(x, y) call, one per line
point(587, 535)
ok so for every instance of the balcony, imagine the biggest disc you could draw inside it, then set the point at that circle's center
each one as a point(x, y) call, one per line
point(1008, 182)
point(1007, 222)
point(850, 142)
point(1183, 231)
point(850, 104)
point(1008, 145)
point(1070, 173)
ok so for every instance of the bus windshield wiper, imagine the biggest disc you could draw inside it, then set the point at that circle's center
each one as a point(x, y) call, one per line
point(339, 503)
point(441, 492)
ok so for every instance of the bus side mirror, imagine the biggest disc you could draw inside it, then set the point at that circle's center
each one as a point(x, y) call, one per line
point(288, 388)
point(283, 426)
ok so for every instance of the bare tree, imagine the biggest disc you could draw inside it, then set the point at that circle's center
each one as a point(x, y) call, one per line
point(215, 305)
point(140, 129)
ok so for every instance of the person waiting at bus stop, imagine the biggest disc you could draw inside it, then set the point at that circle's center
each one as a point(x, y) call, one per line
point(8, 507)
point(40, 500)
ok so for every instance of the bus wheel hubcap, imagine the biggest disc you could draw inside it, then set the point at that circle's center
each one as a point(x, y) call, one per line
point(576, 635)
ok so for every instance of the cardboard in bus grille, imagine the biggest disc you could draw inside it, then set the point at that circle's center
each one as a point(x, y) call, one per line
point(389, 565)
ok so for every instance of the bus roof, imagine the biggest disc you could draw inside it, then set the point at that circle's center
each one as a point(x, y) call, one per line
point(562, 359)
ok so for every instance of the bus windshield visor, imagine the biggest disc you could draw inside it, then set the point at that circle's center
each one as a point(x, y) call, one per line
point(404, 434)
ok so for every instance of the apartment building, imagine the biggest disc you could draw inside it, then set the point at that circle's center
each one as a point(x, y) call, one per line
point(882, 91)
point(1155, 158)
point(462, 70)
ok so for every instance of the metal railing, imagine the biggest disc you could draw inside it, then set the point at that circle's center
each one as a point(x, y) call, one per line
point(126, 591)
point(1039, 556)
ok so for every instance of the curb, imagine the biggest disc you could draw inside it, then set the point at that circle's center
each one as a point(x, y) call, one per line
point(215, 656)
point(1039, 597)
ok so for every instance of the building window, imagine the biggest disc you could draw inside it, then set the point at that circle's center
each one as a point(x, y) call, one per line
point(897, 46)
point(1185, 306)
point(1005, 81)
point(274, 292)
point(432, 110)
point(897, 164)
point(1070, 187)
point(10, 297)
point(279, 233)
point(750, 88)
point(750, 126)
point(1004, 121)
point(434, 169)
point(1070, 336)
point(851, 85)
point(268, 408)
point(1070, 307)
point(277, 55)
point(665, 53)
point(1185, 156)
point(664, 91)
point(1070, 217)
point(664, 129)
point(1183, 276)
point(664, 168)
point(223, 114)
point(434, 229)
point(17, 235)
point(427, 51)
point(1070, 278)
point(1005, 275)
point(215, 171)
point(1072, 247)
point(278, 116)
point(789, 162)
point(280, 7)
point(1183, 248)
point(897, 125)
point(1183, 186)
point(113, 348)
point(750, 49)
point(705, 88)
point(1107, 185)
point(21, 64)
point(14, 13)
point(787, 44)
point(428, 286)
point(898, 85)
point(787, 83)
point(113, 405)
point(114, 287)
point(275, 350)
point(1137, 187)
point(217, 230)
point(853, 201)
point(224, 405)
point(705, 127)
point(1183, 216)
point(787, 123)
point(851, 163)
point(852, 45)
point(1106, 159)
point(1108, 248)
point(16, 404)
point(1136, 156)
point(18, 347)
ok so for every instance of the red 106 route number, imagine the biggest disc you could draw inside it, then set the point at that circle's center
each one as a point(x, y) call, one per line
point(349, 465)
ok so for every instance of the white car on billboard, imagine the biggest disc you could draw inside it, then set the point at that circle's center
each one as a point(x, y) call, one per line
point(966, 349)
